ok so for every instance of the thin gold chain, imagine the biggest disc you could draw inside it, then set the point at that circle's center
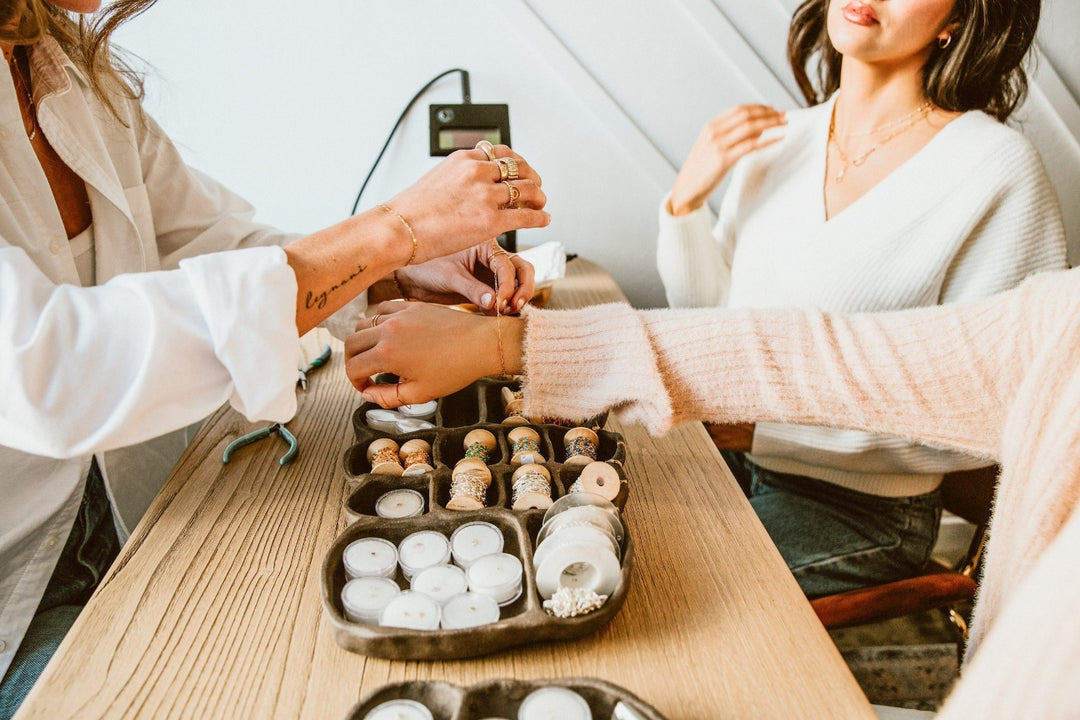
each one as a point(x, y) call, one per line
point(910, 120)
point(21, 85)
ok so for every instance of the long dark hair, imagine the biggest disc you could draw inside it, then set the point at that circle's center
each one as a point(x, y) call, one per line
point(84, 39)
point(981, 69)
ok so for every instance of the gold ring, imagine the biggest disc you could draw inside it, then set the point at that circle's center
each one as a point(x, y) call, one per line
point(504, 172)
point(514, 194)
point(487, 148)
point(375, 319)
point(397, 392)
point(509, 167)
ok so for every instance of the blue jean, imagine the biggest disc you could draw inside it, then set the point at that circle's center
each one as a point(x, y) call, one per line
point(835, 539)
point(91, 547)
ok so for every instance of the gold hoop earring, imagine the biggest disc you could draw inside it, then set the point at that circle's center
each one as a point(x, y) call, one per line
point(944, 42)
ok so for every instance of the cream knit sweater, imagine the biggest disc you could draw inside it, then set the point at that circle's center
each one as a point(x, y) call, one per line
point(971, 214)
point(995, 378)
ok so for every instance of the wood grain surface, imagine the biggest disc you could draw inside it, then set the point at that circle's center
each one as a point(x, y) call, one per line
point(213, 609)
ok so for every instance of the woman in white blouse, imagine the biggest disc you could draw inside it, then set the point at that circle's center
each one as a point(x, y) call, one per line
point(900, 187)
point(137, 295)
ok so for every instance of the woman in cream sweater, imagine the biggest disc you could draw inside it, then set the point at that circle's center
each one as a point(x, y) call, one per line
point(994, 378)
point(900, 187)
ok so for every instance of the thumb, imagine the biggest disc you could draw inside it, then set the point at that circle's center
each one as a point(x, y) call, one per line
point(383, 394)
point(475, 291)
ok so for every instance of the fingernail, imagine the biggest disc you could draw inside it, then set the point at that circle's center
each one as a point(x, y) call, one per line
point(367, 397)
point(485, 300)
point(520, 303)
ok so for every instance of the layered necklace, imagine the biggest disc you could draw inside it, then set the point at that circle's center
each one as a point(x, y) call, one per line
point(22, 86)
point(892, 130)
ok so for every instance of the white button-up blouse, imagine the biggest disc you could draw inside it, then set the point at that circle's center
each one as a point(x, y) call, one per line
point(195, 306)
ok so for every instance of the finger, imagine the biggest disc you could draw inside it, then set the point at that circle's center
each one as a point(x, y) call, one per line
point(742, 115)
point(749, 131)
point(529, 194)
point(752, 145)
point(383, 394)
point(506, 280)
point(526, 283)
point(517, 218)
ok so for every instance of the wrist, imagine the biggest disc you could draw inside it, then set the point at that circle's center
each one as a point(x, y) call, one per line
point(507, 335)
point(402, 243)
point(677, 207)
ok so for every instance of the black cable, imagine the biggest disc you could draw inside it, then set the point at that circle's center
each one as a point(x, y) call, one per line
point(465, 98)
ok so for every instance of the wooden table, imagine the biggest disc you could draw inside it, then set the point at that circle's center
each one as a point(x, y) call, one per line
point(213, 609)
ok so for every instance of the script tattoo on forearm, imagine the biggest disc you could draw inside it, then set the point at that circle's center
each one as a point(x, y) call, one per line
point(319, 301)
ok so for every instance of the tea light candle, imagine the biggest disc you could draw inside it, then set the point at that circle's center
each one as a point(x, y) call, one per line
point(364, 598)
point(370, 556)
point(381, 419)
point(383, 456)
point(421, 550)
point(440, 582)
point(581, 445)
point(408, 425)
point(400, 503)
point(531, 486)
point(479, 444)
point(600, 479)
point(498, 576)
point(472, 541)
point(399, 710)
point(468, 610)
point(524, 446)
point(419, 410)
point(554, 703)
point(578, 565)
point(469, 484)
point(411, 610)
point(415, 455)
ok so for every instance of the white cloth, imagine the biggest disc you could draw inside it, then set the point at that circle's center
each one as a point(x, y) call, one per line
point(971, 214)
point(169, 335)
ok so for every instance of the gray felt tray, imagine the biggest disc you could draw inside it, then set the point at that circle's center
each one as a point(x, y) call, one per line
point(501, 698)
point(522, 622)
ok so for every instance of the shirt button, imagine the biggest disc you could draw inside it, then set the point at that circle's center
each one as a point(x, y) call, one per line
point(4, 132)
point(50, 542)
point(54, 247)
point(3, 646)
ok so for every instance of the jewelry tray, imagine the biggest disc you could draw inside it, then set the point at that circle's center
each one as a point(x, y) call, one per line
point(522, 622)
point(500, 698)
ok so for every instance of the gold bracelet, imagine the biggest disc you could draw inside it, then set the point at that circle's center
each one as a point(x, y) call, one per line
point(498, 330)
point(408, 227)
point(400, 291)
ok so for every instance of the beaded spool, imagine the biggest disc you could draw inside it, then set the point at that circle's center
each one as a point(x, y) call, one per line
point(531, 484)
point(524, 446)
point(598, 478)
point(383, 456)
point(469, 484)
point(582, 445)
point(479, 444)
point(415, 455)
point(513, 407)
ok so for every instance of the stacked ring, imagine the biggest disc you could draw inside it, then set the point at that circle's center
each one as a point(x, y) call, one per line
point(487, 148)
point(514, 194)
point(508, 168)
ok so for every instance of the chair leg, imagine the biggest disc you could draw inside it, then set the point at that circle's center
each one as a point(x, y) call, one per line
point(962, 630)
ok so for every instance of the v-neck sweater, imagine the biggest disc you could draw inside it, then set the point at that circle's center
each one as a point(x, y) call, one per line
point(970, 214)
point(996, 378)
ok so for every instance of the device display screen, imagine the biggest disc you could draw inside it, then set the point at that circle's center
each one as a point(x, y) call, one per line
point(456, 138)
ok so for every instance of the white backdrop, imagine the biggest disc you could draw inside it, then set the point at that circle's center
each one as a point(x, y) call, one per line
point(289, 103)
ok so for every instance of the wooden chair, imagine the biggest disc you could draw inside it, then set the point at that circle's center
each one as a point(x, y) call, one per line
point(968, 494)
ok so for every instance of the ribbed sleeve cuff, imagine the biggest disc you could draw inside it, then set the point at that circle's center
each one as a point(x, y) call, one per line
point(579, 363)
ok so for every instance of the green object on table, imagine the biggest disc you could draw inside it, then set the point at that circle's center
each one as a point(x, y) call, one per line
point(251, 437)
point(313, 365)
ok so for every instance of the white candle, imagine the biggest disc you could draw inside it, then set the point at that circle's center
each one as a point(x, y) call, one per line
point(399, 503)
point(474, 540)
point(423, 549)
point(370, 556)
point(364, 598)
point(419, 410)
point(497, 575)
point(399, 710)
point(411, 610)
point(408, 425)
point(554, 703)
point(578, 565)
point(383, 420)
point(469, 610)
point(440, 582)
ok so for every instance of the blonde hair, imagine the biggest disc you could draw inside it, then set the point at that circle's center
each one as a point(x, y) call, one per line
point(84, 38)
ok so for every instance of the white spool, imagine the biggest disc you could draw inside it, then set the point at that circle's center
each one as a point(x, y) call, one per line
point(575, 534)
point(578, 565)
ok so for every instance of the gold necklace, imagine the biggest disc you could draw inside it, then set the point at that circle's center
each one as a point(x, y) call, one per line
point(20, 85)
point(899, 127)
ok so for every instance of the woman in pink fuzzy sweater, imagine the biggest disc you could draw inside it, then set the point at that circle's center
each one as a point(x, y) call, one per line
point(996, 378)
